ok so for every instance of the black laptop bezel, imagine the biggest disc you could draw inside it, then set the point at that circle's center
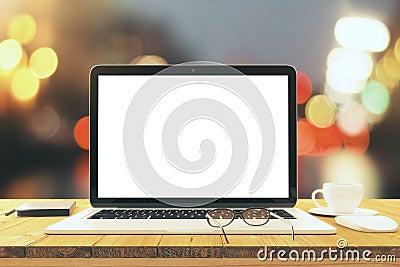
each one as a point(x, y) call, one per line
point(198, 70)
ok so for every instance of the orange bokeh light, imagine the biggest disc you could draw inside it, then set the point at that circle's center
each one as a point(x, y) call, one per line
point(327, 140)
point(306, 137)
point(358, 143)
point(304, 87)
point(81, 133)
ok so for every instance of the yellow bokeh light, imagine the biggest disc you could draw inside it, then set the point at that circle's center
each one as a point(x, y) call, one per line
point(10, 54)
point(24, 84)
point(149, 60)
point(382, 76)
point(362, 34)
point(391, 65)
point(43, 62)
point(346, 167)
point(397, 50)
point(320, 111)
point(22, 28)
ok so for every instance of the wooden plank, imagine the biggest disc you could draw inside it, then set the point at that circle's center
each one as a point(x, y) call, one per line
point(242, 246)
point(127, 246)
point(190, 246)
point(12, 252)
point(274, 244)
point(63, 246)
point(139, 262)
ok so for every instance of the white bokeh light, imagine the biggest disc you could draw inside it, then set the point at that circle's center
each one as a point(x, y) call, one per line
point(362, 34)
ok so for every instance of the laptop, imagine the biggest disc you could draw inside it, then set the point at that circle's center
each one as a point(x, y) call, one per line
point(170, 143)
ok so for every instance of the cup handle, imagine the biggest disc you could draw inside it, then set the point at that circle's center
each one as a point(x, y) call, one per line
point(314, 193)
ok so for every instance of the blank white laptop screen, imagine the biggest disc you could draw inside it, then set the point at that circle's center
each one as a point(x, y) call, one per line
point(115, 93)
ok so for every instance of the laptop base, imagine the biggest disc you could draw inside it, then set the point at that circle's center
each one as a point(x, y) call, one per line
point(79, 224)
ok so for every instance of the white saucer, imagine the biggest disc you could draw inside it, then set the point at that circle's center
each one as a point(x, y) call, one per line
point(328, 212)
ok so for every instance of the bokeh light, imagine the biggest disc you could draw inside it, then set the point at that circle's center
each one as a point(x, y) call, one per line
point(45, 123)
point(352, 118)
point(22, 28)
point(81, 133)
point(362, 34)
point(357, 143)
point(305, 137)
point(32, 185)
point(382, 76)
point(391, 65)
point(397, 49)
point(348, 69)
point(10, 54)
point(304, 87)
point(327, 141)
point(375, 97)
point(347, 64)
point(346, 167)
point(320, 111)
point(24, 84)
point(149, 60)
point(337, 97)
point(344, 85)
point(43, 62)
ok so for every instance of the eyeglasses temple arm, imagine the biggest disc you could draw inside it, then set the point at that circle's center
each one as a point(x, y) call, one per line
point(286, 221)
point(220, 226)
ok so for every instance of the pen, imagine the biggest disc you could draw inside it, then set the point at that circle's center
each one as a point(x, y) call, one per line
point(9, 212)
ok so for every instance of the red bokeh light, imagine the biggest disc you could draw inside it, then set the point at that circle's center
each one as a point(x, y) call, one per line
point(306, 137)
point(327, 140)
point(81, 133)
point(357, 143)
point(304, 87)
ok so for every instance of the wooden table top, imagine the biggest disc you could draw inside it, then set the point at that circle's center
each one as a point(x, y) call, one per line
point(25, 238)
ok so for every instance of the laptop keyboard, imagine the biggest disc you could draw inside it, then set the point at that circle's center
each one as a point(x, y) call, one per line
point(168, 214)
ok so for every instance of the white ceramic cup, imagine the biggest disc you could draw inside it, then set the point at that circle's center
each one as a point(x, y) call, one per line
point(340, 197)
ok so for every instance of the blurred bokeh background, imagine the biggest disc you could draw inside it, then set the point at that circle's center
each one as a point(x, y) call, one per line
point(347, 54)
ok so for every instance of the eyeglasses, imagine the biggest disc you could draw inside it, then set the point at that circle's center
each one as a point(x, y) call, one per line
point(253, 216)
